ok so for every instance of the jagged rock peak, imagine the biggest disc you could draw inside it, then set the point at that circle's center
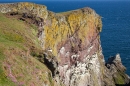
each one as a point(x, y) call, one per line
point(118, 58)
point(114, 59)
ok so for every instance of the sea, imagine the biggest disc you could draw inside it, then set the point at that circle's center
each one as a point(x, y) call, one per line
point(115, 35)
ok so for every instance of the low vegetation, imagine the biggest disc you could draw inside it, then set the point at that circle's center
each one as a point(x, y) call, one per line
point(19, 48)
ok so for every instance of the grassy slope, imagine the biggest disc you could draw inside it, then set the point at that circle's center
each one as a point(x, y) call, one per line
point(17, 66)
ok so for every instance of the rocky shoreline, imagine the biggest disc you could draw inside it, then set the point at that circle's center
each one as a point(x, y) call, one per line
point(117, 71)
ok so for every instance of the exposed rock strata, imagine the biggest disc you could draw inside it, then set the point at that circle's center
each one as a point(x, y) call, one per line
point(72, 38)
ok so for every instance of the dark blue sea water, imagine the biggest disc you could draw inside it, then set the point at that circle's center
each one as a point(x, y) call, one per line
point(115, 36)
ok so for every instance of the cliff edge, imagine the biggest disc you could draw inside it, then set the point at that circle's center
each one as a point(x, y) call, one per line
point(67, 44)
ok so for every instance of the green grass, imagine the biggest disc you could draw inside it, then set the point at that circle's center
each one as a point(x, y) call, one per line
point(11, 36)
point(4, 81)
point(16, 41)
point(10, 31)
point(7, 38)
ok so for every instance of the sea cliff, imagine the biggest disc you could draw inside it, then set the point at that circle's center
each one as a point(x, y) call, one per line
point(67, 44)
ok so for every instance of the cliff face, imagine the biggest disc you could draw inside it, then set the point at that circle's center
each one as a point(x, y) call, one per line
point(73, 38)
point(71, 44)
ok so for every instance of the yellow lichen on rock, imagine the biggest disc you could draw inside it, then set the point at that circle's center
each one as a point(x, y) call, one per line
point(62, 26)
point(55, 33)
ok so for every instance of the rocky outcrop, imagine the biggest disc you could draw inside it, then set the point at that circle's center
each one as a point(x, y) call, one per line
point(117, 71)
point(71, 44)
